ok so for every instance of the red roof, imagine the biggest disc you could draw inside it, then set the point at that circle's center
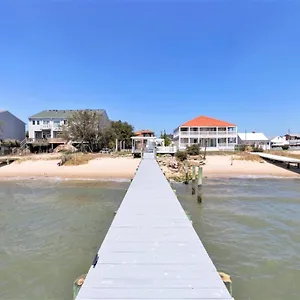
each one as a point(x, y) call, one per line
point(203, 121)
point(144, 131)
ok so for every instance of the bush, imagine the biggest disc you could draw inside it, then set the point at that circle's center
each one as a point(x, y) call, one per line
point(181, 155)
point(285, 147)
point(257, 149)
point(193, 149)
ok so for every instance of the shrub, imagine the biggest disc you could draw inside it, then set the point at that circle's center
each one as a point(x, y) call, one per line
point(285, 147)
point(181, 155)
point(193, 149)
point(240, 147)
point(257, 149)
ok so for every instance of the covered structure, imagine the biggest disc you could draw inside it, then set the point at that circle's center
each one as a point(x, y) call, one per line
point(150, 144)
point(255, 139)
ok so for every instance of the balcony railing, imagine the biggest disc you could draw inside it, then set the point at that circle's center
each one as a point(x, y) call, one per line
point(45, 126)
point(166, 149)
point(208, 133)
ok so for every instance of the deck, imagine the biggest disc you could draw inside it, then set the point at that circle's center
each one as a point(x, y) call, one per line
point(278, 158)
point(151, 250)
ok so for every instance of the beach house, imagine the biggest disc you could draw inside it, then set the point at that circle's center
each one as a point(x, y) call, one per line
point(11, 127)
point(208, 132)
point(254, 139)
point(48, 124)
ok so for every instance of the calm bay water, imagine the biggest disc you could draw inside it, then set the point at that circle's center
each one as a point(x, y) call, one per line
point(50, 232)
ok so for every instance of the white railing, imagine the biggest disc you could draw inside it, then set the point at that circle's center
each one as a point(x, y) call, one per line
point(208, 134)
point(166, 149)
point(45, 126)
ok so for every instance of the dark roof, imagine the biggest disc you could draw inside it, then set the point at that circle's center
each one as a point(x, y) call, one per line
point(4, 110)
point(63, 114)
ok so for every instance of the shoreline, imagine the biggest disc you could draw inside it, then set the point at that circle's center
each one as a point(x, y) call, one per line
point(124, 168)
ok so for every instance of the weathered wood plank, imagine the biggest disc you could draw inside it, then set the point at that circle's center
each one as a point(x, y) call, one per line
point(151, 250)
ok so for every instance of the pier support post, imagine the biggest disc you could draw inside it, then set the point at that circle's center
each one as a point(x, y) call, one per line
point(288, 165)
point(298, 166)
point(193, 179)
point(186, 170)
point(199, 191)
point(200, 174)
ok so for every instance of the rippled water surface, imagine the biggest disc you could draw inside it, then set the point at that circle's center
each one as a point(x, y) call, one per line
point(50, 232)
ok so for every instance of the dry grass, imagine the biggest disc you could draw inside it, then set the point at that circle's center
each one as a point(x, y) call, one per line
point(247, 156)
point(35, 157)
point(76, 159)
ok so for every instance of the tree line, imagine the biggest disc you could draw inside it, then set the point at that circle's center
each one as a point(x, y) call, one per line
point(87, 129)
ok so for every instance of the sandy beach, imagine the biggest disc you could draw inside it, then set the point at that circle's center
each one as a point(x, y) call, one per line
point(100, 168)
point(125, 167)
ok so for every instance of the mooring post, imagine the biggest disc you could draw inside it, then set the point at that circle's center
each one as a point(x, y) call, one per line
point(193, 179)
point(186, 170)
point(200, 174)
point(199, 192)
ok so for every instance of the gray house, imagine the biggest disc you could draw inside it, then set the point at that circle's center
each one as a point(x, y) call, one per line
point(48, 124)
point(11, 127)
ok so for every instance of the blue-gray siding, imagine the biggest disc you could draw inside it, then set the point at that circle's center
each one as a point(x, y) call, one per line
point(11, 127)
point(151, 250)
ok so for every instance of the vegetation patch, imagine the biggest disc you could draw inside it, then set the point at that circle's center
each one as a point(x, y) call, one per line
point(248, 157)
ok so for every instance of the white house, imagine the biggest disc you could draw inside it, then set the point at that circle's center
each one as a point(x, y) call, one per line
point(278, 141)
point(205, 131)
point(256, 139)
point(11, 127)
point(48, 123)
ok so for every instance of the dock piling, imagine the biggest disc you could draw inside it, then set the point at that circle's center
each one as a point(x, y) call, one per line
point(186, 170)
point(200, 174)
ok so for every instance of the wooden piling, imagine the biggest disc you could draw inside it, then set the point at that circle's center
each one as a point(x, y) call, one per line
point(200, 175)
point(186, 170)
point(194, 173)
point(199, 194)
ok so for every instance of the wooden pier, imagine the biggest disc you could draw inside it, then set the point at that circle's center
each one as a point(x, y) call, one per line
point(151, 250)
point(279, 158)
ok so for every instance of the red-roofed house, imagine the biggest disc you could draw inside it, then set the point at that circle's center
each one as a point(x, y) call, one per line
point(215, 134)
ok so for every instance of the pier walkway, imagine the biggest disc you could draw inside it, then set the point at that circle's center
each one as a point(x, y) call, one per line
point(278, 158)
point(151, 250)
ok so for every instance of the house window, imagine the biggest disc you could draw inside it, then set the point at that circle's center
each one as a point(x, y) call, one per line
point(231, 140)
point(33, 122)
point(65, 122)
point(38, 122)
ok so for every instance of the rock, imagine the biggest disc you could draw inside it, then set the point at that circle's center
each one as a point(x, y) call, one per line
point(65, 148)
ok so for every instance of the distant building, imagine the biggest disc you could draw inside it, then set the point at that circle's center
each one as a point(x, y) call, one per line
point(278, 141)
point(256, 139)
point(144, 133)
point(205, 131)
point(11, 127)
point(48, 123)
point(293, 139)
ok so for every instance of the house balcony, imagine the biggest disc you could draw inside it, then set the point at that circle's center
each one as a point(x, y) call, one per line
point(207, 134)
point(45, 126)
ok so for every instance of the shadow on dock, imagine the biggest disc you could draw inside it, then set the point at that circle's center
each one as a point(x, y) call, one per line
point(289, 167)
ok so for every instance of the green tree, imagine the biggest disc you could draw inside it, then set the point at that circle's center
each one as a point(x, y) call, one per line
point(84, 127)
point(167, 140)
point(122, 131)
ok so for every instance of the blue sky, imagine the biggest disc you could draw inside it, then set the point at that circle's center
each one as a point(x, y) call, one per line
point(155, 64)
